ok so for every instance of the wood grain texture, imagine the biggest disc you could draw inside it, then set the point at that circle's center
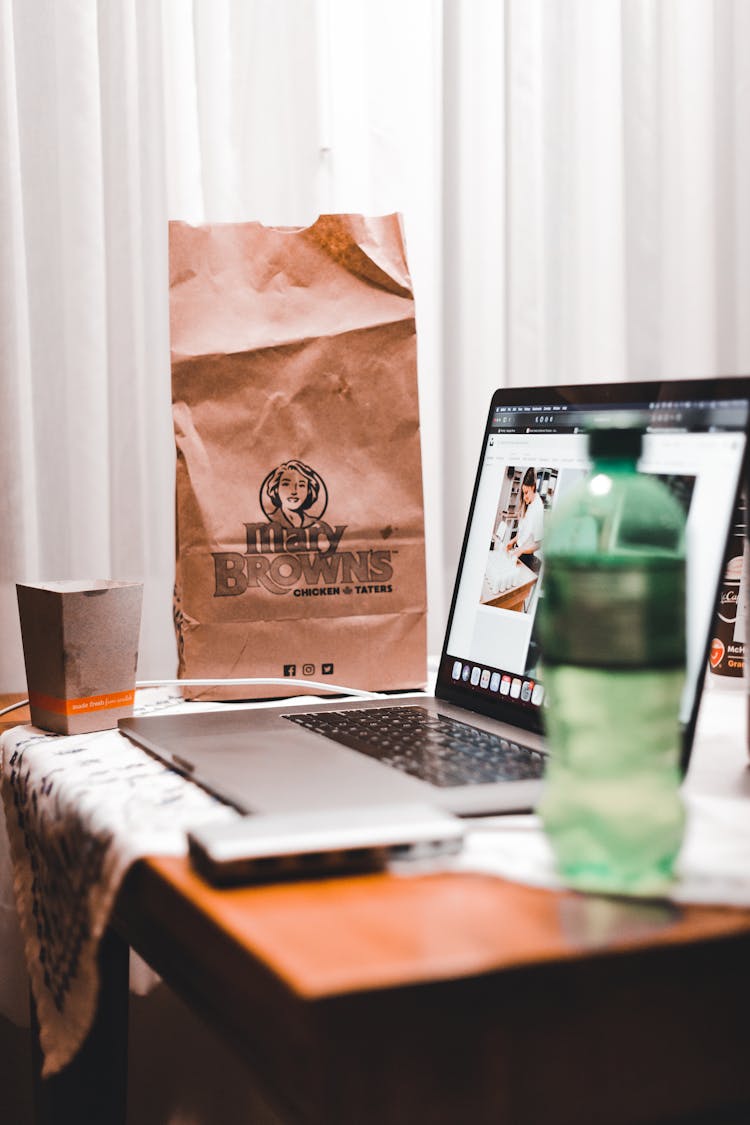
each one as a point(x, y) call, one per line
point(453, 998)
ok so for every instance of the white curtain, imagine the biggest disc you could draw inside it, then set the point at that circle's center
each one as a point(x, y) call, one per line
point(117, 116)
point(575, 182)
point(85, 450)
point(628, 199)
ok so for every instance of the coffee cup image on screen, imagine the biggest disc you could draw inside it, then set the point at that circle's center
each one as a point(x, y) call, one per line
point(514, 562)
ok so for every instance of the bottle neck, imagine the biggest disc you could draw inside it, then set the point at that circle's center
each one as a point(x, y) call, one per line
point(612, 465)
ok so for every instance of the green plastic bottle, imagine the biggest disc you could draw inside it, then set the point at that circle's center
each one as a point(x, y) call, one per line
point(612, 626)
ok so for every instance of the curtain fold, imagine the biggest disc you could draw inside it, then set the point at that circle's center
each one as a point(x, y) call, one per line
point(86, 442)
point(628, 189)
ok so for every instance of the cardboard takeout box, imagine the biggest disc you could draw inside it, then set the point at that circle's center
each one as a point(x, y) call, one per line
point(80, 646)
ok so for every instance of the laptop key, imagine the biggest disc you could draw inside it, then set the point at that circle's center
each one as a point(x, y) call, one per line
point(430, 746)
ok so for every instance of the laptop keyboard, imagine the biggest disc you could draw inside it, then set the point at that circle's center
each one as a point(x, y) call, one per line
point(426, 744)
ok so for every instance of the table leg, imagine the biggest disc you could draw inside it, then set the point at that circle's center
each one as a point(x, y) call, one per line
point(92, 1089)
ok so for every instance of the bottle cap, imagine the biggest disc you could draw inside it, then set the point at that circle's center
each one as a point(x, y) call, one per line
point(615, 441)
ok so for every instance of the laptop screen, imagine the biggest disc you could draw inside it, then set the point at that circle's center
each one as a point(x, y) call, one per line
point(695, 436)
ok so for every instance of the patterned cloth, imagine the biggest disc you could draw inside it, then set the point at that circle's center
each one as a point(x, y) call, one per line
point(80, 809)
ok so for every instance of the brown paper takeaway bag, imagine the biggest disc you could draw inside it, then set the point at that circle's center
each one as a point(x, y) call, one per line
point(300, 528)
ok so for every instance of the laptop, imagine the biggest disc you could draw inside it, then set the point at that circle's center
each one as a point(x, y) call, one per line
point(476, 746)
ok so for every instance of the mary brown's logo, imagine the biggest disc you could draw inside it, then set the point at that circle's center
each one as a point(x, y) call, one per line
point(295, 550)
point(293, 495)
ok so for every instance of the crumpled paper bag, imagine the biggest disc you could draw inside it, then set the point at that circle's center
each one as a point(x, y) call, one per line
point(300, 527)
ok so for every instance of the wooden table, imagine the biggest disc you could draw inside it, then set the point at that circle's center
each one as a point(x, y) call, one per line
point(447, 999)
point(515, 597)
point(452, 999)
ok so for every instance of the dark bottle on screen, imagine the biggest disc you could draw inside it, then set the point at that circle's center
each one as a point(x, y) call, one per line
point(612, 620)
point(727, 652)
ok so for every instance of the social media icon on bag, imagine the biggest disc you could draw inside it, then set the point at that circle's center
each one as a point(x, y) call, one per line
point(308, 669)
point(327, 669)
point(290, 669)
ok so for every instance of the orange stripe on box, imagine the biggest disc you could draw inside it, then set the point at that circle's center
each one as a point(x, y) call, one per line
point(107, 702)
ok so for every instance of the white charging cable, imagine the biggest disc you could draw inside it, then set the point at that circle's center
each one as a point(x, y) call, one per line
point(13, 707)
point(253, 681)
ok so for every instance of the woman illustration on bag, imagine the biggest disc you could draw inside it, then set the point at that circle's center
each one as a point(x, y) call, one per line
point(292, 488)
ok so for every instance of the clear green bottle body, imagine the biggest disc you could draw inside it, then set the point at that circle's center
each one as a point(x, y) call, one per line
point(612, 808)
point(612, 622)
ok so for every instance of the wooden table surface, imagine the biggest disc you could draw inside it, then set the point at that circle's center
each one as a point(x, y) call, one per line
point(384, 931)
point(13, 718)
point(388, 1000)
